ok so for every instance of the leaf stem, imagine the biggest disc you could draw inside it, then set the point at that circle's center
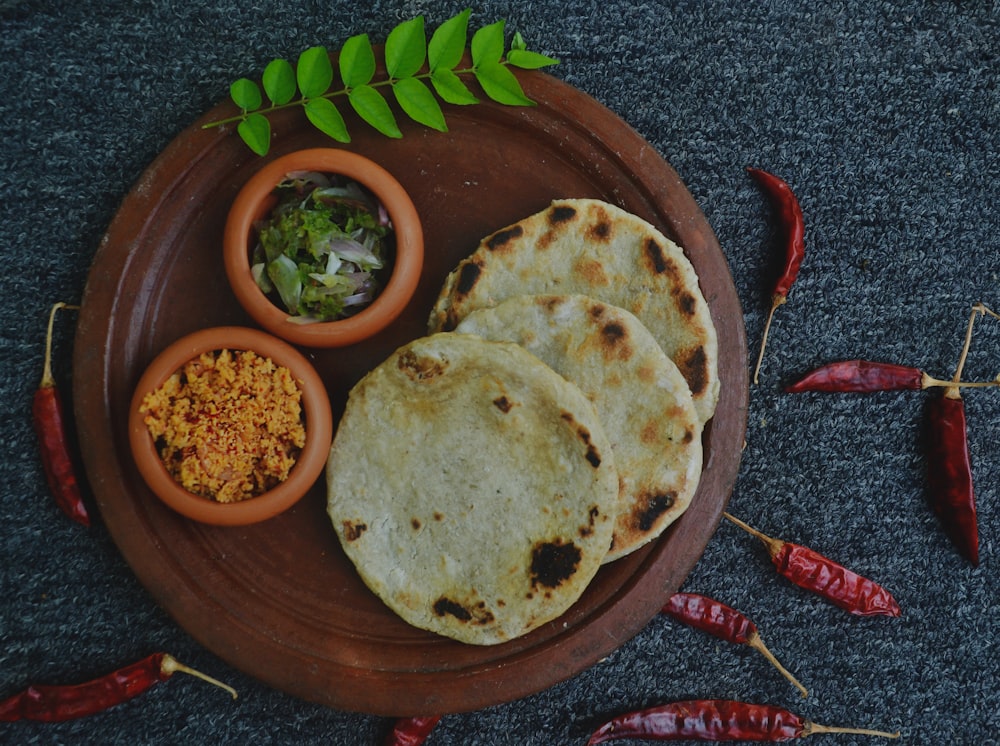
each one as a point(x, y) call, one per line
point(328, 95)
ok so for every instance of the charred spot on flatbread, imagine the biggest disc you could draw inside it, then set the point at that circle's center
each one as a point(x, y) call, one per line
point(558, 214)
point(353, 531)
point(593, 456)
point(615, 341)
point(502, 239)
point(650, 432)
point(613, 333)
point(593, 515)
point(445, 606)
point(476, 614)
point(658, 260)
point(655, 505)
point(694, 365)
point(600, 231)
point(553, 563)
point(591, 271)
point(420, 368)
point(468, 274)
point(686, 303)
point(503, 404)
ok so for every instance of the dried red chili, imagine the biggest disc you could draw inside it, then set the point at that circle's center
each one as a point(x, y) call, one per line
point(717, 720)
point(949, 468)
point(411, 731)
point(814, 572)
point(724, 622)
point(859, 376)
point(789, 214)
point(863, 376)
point(54, 704)
point(50, 427)
point(949, 473)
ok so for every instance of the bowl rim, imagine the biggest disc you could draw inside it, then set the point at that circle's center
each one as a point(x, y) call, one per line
point(315, 407)
point(250, 205)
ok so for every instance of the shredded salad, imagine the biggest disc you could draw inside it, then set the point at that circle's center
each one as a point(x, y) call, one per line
point(321, 247)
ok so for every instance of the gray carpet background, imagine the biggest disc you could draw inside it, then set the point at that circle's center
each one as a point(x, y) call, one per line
point(884, 118)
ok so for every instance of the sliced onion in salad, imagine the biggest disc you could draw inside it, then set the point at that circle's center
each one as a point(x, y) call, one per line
point(322, 247)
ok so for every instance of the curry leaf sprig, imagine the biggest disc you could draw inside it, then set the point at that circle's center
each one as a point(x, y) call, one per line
point(415, 70)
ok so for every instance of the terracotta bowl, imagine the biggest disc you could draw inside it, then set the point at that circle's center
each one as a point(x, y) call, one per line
point(309, 465)
point(254, 201)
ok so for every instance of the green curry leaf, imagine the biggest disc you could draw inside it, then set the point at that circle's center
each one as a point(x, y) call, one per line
point(528, 60)
point(447, 44)
point(279, 81)
point(327, 119)
point(451, 88)
point(255, 131)
point(501, 85)
point(245, 94)
point(416, 99)
point(357, 61)
point(487, 44)
point(373, 108)
point(406, 49)
point(314, 72)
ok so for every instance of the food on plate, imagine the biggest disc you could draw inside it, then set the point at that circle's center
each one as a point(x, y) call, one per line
point(227, 425)
point(473, 487)
point(594, 248)
point(642, 399)
point(322, 246)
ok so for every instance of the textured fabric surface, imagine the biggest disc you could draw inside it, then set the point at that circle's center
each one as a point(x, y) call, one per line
point(885, 118)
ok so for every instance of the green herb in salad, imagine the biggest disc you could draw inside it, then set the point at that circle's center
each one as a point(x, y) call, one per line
point(322, 247)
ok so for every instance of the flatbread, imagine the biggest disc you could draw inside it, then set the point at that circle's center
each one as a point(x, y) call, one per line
point(594, 248)
point(641, 397)
point(472, 487)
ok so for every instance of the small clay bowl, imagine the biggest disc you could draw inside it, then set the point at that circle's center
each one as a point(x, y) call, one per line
point(315, 407)
point(255, 200)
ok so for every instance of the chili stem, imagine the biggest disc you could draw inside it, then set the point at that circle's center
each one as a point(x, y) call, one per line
point(967, 344)
point(171, 665)
point(47, 379)
point(978, 309)
point(928, 381)
point(811, 728)
point(773, 545)
point(777, 301)
point(754, 641)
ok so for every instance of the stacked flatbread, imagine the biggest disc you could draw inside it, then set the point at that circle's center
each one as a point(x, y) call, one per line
point(472, 487)
point(594, 248)
point(550, 422)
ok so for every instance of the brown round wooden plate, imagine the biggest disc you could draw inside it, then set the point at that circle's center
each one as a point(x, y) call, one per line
point(279, 600)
